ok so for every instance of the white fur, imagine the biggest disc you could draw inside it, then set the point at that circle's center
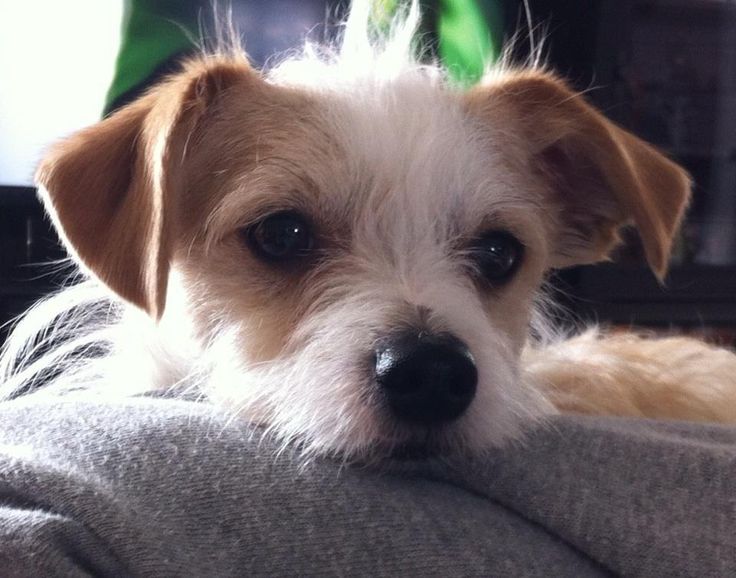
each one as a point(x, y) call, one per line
point(419, 176)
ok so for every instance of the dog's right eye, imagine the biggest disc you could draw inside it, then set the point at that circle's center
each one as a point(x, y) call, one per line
point(280, 237)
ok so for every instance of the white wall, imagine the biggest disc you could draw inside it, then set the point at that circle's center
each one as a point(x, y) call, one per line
point(56, 63)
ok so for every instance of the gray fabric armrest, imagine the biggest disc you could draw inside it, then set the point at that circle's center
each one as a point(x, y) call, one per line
point(170, 488)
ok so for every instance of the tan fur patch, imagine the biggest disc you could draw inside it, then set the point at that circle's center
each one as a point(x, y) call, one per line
point(631, 375)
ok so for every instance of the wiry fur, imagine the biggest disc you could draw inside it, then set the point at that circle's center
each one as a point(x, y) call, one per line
point(398, 171)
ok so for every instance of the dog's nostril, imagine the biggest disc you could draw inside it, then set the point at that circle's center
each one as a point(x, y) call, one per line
point(427, 379)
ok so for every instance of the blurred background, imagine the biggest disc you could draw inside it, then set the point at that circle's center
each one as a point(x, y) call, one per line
point(665, 69)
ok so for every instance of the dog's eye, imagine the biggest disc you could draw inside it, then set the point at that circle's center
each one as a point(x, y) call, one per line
point(282, 236)
point(497, 256)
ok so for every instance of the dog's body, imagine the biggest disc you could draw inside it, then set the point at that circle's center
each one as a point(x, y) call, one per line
point(351, 252)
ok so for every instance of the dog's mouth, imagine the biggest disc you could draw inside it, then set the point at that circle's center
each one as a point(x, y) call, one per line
point(422, 443)
point(413, 451)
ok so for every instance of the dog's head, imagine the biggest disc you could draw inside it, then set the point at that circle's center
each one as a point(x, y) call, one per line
point(356, 262)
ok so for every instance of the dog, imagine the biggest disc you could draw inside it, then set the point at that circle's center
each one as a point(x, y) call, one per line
point(350, 252)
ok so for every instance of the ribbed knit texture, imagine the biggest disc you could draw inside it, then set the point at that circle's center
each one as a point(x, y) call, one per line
point(171, 488)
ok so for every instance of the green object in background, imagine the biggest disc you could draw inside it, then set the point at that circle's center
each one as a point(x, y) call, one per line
point(156, 32)
point(470, 33)
point(153, 32)
point(381, 11)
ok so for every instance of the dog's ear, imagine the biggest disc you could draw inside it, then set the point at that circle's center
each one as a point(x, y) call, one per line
point(601, 176)
point(111, 188)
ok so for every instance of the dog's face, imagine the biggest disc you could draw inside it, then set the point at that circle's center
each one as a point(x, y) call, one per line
point(356, 266)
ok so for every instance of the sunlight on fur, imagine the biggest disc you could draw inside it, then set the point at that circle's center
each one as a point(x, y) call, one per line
point(422, 211)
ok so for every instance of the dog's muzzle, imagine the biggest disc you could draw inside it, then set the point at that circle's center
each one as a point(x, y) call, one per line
point(426, 379)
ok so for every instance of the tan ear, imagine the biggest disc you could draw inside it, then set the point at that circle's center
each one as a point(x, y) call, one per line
point(601, 175)
point(112, 188)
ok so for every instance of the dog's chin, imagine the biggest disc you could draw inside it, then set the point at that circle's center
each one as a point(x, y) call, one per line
point(414, 451)
point(423, 442)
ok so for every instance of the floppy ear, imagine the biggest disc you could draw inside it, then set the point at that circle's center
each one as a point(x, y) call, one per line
point(111, 189)
point(600, 175)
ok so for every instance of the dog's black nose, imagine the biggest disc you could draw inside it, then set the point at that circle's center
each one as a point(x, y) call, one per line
point(427, 379)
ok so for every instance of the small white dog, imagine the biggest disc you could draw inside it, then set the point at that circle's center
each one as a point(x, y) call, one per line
point(351, 251)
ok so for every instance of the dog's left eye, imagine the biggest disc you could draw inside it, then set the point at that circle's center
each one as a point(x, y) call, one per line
point(497, 256)
point(280, 237)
